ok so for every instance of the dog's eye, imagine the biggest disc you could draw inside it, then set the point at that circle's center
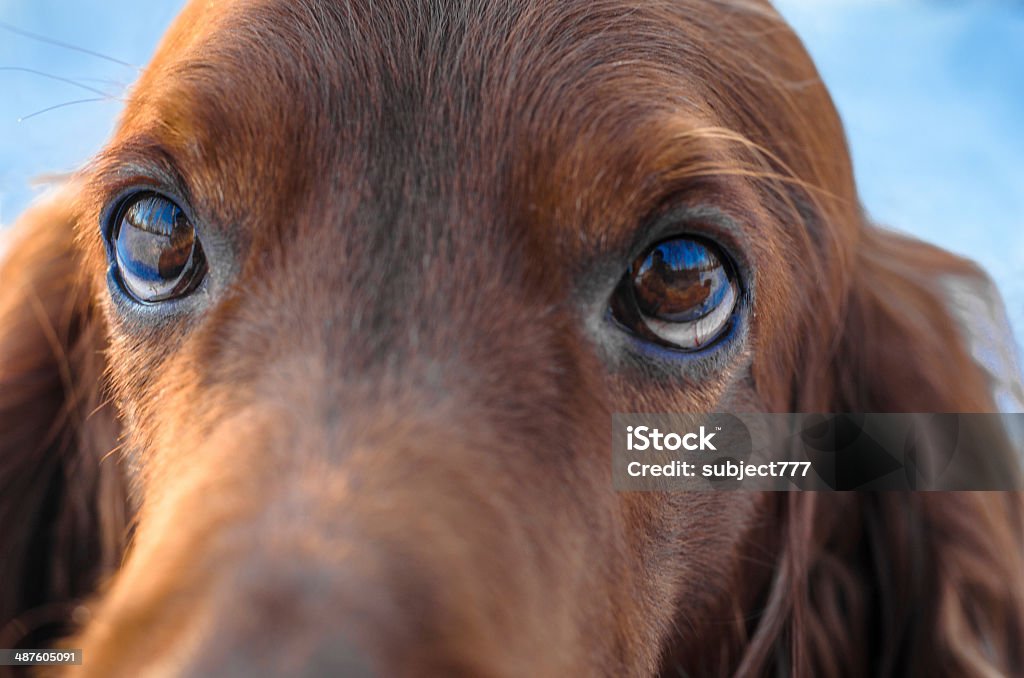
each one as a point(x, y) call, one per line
point(681, 293)
point(156, 249)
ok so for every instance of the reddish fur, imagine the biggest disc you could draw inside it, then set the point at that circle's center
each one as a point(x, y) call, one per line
point(352, 442)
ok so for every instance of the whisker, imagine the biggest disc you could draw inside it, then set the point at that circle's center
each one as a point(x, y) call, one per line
point(120, 84)
point(57, 43)
point(58, 78)
point(66, 103)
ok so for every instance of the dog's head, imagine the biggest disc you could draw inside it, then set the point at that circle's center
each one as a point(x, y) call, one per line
point(353, 292)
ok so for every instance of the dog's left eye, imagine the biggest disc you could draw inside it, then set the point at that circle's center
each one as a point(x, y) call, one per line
point(156, 250)
point(681, 293)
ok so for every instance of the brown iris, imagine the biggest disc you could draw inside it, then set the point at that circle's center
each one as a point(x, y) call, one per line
point(157, 250)
point(681, 292)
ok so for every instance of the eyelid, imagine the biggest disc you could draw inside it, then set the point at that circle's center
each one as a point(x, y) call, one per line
point(719, 231)
point(701, 221)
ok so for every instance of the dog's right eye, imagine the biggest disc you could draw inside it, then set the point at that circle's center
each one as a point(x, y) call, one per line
point(156, 249)
point(682, 293)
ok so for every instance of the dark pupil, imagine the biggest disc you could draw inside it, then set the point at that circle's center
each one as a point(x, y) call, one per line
point(679, 281)
point(155, 245)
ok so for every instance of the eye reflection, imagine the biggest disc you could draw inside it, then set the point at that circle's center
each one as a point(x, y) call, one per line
point(157, 251)
point(682, 292)
point(680, 281)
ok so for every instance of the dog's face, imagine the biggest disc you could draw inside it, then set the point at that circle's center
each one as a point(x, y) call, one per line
point(373, 278)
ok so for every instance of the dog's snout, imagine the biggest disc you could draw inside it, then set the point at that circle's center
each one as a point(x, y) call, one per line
point(346, 559)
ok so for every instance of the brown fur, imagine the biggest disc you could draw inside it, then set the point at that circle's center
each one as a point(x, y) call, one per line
point(383, 424)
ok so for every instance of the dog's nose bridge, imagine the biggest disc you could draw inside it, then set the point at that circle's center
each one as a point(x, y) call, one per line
point(391, 270)
point(425, 328)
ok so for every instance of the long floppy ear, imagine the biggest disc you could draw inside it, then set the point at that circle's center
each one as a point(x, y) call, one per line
point(62, 500)
point(928, 333)
point(925, 332)
point(904, 583)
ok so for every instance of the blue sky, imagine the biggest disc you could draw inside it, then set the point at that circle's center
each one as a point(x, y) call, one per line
point(932, 94)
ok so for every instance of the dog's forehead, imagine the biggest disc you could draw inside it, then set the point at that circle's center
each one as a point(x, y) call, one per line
point(532, 107)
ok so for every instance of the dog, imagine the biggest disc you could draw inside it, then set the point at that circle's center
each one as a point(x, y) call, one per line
point(311, 370)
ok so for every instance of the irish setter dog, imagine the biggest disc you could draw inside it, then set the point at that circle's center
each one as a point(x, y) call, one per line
point(311, 370)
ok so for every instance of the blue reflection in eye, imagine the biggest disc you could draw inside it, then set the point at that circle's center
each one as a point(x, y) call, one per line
point(156, 249)
point(681, 292)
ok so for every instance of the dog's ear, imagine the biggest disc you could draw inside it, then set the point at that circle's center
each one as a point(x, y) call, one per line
point(62, 499)
point(928, 582)
point(894, 584)
point(916, 322)
point(927, 332)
